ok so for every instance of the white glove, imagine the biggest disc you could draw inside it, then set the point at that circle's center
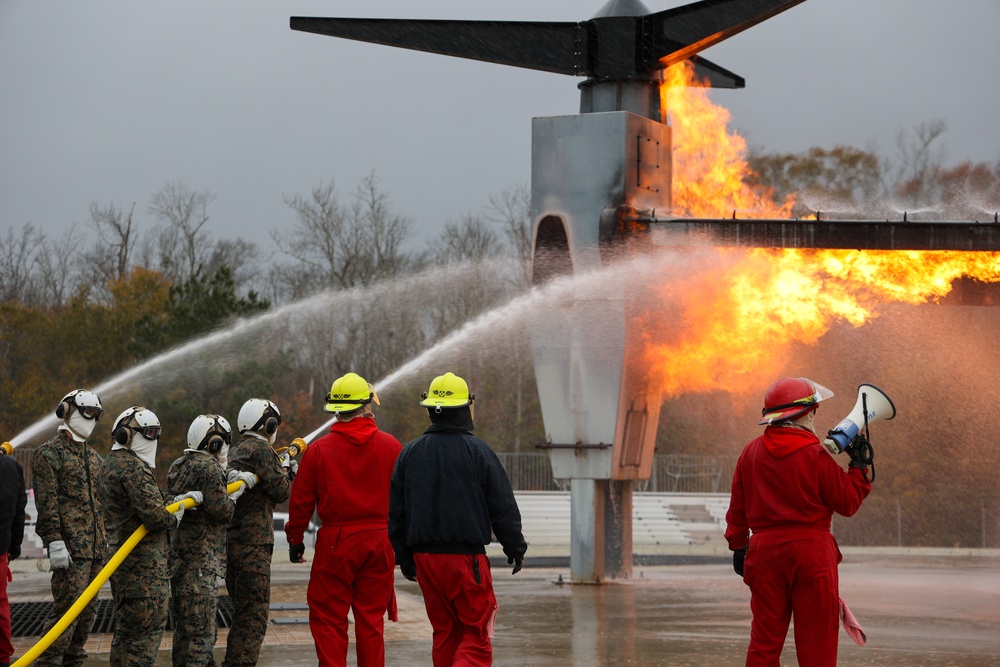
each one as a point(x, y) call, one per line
point(290, 465)
point(248, 478)
point(59, 557)
point(235, 495)
point(196, 496)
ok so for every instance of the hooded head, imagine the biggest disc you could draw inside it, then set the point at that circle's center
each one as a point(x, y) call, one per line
point(138, 429)
point(80, 411)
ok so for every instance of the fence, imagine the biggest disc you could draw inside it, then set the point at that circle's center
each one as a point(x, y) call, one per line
point(672, 473)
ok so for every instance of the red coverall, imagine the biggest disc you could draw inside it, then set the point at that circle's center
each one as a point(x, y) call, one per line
point(345, 474)
point(786, 488)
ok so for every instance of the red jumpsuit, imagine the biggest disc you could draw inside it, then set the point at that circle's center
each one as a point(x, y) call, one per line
point(786, 488)
point(345, 475)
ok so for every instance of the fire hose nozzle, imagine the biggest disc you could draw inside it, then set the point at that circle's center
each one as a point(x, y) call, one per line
point(298, 446)
point(7, 448)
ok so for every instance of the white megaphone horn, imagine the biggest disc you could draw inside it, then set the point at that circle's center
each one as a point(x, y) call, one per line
point(879, 407)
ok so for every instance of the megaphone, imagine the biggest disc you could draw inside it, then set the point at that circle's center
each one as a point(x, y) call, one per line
point(872, 406)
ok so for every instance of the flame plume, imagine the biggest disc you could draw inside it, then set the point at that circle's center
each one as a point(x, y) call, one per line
point(732, 323)
point(710, 167)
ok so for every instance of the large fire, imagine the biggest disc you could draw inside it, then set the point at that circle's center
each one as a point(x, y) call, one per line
point(732, 323)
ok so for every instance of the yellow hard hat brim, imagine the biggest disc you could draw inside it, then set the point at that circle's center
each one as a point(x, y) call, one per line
point(442, 403)
point(342, 407)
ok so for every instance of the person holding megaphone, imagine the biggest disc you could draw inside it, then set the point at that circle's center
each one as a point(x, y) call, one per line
point(785, 489)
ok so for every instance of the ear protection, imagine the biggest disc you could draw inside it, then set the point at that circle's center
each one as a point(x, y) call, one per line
point(215, 443)
point(123, 431)
point(121, 434)
point(65, 405)
point(271, 425)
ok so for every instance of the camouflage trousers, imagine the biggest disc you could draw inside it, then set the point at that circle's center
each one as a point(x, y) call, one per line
point(195, 630)
point(67, 585)
point(139, 624)
point(248, 580)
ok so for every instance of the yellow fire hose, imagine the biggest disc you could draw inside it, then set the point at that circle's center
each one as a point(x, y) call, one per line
point(298, 445)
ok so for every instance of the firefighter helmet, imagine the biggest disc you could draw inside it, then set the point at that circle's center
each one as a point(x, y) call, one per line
point(86, 402)
point(259, 415)
point(790, 398)
point(209, 433)
point(348, 393)
point(447, 391)
point(133, 420)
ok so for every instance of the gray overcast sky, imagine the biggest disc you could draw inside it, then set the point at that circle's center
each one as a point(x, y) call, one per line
point(111, 100)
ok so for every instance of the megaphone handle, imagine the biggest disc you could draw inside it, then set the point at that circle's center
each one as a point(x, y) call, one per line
point(864, 408)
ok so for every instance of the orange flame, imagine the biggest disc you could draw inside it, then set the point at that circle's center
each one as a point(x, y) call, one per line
point(709, 161)
point(732, 330)
point(731, 325)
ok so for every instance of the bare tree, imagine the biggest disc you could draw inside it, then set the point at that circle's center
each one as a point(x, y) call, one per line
point(57, 279)
point(184, 244)
point(110, 255)
point(921, 156)
point(470, 239)
point(512, 209)
point(17, 255)
point(336, 245)
point(381, 230)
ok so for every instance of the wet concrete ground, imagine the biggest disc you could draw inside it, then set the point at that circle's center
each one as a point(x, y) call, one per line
point(916, 610)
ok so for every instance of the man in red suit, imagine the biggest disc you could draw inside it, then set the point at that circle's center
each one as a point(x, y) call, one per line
point(785, 490)
point(345, 476)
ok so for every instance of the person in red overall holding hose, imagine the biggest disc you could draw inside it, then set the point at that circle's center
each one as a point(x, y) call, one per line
point(345, 475)
point(786, 487)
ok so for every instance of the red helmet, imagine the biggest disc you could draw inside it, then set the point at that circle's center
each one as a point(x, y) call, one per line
point(790, 398)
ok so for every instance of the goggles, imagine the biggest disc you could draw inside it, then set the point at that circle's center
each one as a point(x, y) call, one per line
point(90, 413)
point(148, 432)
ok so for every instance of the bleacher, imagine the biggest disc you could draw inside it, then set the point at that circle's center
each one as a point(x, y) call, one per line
point(658, 519)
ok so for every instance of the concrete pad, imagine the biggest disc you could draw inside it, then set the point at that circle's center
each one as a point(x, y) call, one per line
point(930, 608)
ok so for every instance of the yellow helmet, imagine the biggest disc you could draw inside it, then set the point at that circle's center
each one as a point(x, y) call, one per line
point(447, 391)
point(348, 393)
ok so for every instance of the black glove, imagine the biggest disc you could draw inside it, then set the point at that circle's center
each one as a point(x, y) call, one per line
point(518, 563)
point(739, 555)
point(862, 456)
point(15, 551)
point(295, 552)
point(409, 570)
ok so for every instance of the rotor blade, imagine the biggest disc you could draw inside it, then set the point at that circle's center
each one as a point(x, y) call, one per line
point(677, 34)
point(550, 47)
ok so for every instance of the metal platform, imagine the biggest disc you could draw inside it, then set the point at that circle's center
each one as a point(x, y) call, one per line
point(843, 234)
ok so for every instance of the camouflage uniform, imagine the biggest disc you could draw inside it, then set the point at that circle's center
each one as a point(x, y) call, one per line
point(69, 509)
point(199, 547)
point(250, 544)
point(141, 583)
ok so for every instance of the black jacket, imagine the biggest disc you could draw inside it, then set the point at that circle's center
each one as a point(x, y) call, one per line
point(13, 500)
point(448, 492)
